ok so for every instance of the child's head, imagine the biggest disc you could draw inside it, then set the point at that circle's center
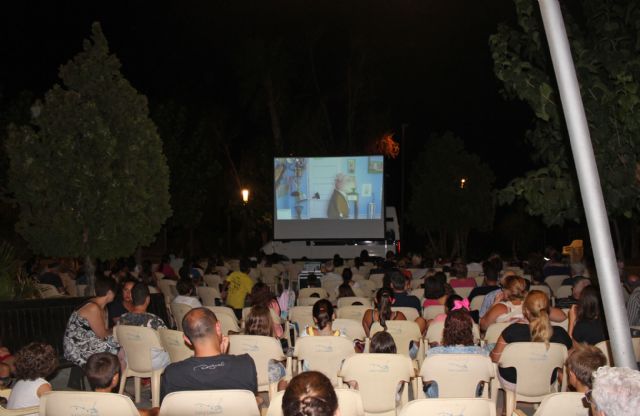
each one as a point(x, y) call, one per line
point(322, 313)
point(259, 322)
point(582, 362)
point(450, 303)
point(36, 360)
point(185, 287)
point(102, 371)
point(382, 343)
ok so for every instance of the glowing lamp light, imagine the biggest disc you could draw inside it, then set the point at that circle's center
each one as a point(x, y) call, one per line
point(463, 181)
point(245, 195)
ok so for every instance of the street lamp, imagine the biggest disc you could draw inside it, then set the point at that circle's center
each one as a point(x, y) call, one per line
point(462, 182)
point(245, 195)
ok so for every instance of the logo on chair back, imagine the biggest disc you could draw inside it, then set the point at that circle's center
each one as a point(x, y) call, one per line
point(250, 347)
point(323, 348)
point(133, 337)
point(84, 411)
point(204, 409)
point(459, 367)
point(538, 356)
point(378, 368)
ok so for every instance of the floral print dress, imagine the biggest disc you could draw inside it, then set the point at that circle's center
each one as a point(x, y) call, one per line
point(80, 342)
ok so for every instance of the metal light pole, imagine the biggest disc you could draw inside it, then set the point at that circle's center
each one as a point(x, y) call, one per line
point(590, 189)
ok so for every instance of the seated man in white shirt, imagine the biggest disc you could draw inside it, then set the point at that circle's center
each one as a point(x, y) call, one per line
point(186, 294)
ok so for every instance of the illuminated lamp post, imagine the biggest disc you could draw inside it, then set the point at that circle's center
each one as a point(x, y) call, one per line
point(245, 195)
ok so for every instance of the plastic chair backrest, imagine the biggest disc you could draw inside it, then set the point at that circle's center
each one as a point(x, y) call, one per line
point(377, 279)
point(457, 375)
point(210, 402)
point(173, 342)
point(494, 331)
point(605, 347)
point(378, 376)
point(349, 403)
point(368, 288)
point(351, 328)
point(47, 291)
point(179, 310)
point(261, 349)
point(212, 280)
point(410, 313)
point(331, 286)
point(65, 403)
point(208, 295)
point(350, 300)
point(432, 311)
point(566, 403)
point(308, 291)
point(418, 292)
point(137, 342)
point(555, 281)
point(476, 302)
point(307, 301)
point(403, 332)
point(226, 317)
point(324, 354)
point(463, 292)
point(440, 407)
point(302, 315)
point(534, 364)
point(564, 291)
point(165, 287)
point(354, 312)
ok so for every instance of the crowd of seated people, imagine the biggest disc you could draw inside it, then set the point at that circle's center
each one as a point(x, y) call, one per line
point(121, 298)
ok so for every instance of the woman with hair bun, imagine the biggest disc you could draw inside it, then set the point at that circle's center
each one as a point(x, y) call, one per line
point(538, 329)
point(382, 312)
point(310, 394)
point(323, 317)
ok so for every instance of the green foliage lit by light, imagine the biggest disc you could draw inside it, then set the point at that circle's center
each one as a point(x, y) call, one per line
point(88, 172)
point(606, 50)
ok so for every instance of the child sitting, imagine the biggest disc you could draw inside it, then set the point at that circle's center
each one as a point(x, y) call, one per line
point(33, 363)
point(582, 362)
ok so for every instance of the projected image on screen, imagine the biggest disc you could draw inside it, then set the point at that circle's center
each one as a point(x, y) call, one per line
point(341, 189)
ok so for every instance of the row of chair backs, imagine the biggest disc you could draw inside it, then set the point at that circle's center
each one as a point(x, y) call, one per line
point(324, 354)
point(436, 329)
point(605, 347)
point(439, 407)
point(349, 403)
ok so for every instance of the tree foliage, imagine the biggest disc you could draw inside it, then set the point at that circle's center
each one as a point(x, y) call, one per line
point(88, 172)
point(439, 202)
point(605, 43)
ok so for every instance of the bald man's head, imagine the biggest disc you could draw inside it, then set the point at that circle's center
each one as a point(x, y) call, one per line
point(633, 281)
point(199, 323)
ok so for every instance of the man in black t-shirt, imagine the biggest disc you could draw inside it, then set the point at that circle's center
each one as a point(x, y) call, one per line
point(210, 368)
point(402, 298)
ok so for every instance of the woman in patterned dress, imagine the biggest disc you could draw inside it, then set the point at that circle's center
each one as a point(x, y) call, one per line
point(87, 332)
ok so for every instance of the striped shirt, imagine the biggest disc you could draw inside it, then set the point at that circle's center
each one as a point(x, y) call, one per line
point(633, 307)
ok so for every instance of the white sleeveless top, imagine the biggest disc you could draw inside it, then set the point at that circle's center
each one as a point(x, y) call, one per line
point(25, 394)
point(514, 312)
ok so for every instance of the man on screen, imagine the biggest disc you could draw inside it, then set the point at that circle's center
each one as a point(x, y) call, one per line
point(338, 205)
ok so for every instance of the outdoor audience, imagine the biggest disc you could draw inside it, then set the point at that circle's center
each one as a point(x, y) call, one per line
point(615, 392)
point(34, 363)
point(187, 293)
point(586, 320)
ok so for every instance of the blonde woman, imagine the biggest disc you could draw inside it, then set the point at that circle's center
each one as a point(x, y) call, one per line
point(538, 329)
point(508, 304)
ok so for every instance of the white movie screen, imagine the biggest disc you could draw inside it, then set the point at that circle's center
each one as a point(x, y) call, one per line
point(329, 197)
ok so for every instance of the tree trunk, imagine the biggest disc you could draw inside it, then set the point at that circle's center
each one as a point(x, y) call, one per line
point(90, 271)
point(619, 248)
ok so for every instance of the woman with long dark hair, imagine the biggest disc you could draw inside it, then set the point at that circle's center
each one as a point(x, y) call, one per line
point(260, 322)
point(262, 296)
point(382, 311)
point(323, 316)
point(586, 323)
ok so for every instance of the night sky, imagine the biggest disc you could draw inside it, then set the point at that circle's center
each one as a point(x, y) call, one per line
point(433, 66)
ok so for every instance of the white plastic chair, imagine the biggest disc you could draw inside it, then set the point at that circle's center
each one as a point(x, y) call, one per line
point(227, 318)
point(564, 291)
point(542, 288)
point(463, 292)
point(349, 403)
point(210, 402)
point(567, 403)
point(302, 316)
point(368, 288)
point(458, 375)
point(307, 301)
point(402, 332)
point(212, 280)
point(351, 300)
point(555, 281)
point(48, 291)
point(324, 354)
point(165, 286)
point(449, 407)
point(410, 313)
point(208, 295)
point(378, 376)
point(308, 291)
point(331, 286)
point(534, 365)
point(262, 350)
point(354, 312)
point(377, 279)
point(494, 331)
point(349, 327)
point(137, 342)
point(476, 302)
point(173, 342)
point(605, 347)
point(432, 311)
point(419, 293)
point(5, 393)
point(65, 403)
point(178, 311)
